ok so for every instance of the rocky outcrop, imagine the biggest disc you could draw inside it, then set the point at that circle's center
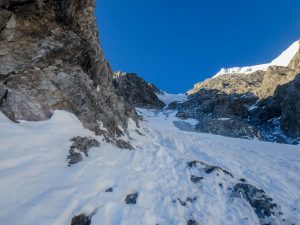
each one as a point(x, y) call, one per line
point(286, 100)
point(260, 83)
point(131, 199)
point(81, 219)
point(219, 113)
point(232, 83)
point(262, 104)
point(81, 145)
point(136, 91)
point(50, 59)
point(267, 209)
point(274, 119)
point(274, 77)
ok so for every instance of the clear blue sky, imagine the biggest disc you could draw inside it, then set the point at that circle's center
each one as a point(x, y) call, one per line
point(177, 43)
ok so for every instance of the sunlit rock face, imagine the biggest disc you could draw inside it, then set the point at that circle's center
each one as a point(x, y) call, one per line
point(267, 93)
point(51, 59)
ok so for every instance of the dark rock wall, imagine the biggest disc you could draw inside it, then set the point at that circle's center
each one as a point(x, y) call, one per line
point(136, 91)
point(51, 59)
point(287, 100)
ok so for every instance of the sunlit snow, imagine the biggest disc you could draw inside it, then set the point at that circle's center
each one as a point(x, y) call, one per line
point(37, 186)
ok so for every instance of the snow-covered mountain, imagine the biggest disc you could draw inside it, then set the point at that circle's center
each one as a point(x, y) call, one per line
point(76, 147)
point(173, 177)
point(283, 60)
point(259, 101)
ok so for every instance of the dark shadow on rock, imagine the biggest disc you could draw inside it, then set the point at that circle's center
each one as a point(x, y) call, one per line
point(274, 118)
point(196, 179)
point(131, 198)
point(262, 204)
point(208, 168)
point(81, 219)
point(109, 190)
point(136, 91)
point(192, 222)
point(124, 145)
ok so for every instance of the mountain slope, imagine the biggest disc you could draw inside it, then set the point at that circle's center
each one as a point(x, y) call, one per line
point(37, 186)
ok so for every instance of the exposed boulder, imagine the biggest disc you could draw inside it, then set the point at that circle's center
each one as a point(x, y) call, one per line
point(84, 144)
point(131, 199)
point(51, 59)
point(109, 190)
point(81, 145)
point(81, 220)
point(136, 91)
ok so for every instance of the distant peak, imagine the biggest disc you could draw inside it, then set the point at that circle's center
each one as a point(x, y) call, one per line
point(286, 57)
point(282, 60)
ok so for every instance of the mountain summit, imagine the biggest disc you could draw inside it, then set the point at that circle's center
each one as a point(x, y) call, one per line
point(284, 60)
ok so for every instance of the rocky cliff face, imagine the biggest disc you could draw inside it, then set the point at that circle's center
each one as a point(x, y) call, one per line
point(260, 83)
point(219, 113)
point(136, 91)
point(278, 117)
point(51, 59)
point(262, 104)
point(286, 100)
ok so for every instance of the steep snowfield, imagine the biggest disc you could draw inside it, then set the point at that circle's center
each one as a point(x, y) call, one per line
point(168, 98)
point(37, 186)
point(283, 60)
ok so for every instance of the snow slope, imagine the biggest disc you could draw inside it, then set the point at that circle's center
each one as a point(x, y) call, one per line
point(37, 186)
point(283, 60)
point(168, 98)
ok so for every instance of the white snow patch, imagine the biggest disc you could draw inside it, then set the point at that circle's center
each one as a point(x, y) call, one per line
point(37, 186)
point(169, 98)
point(223, 119)
point(286, 57)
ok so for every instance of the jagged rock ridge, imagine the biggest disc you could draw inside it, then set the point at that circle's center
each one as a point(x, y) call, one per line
point(136, 91)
